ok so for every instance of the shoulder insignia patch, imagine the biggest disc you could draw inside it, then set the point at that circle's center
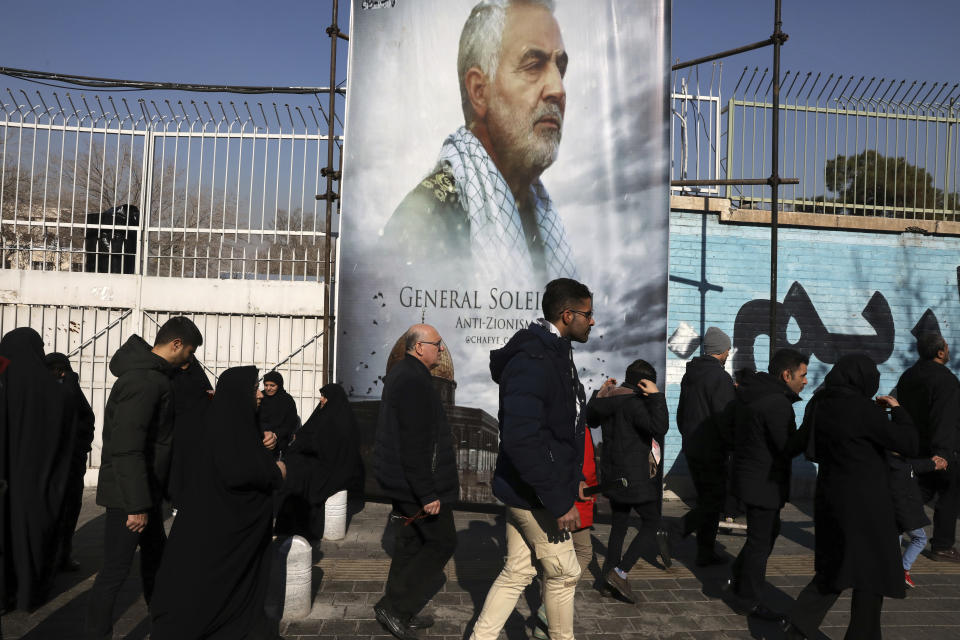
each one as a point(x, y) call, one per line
point(442, 185)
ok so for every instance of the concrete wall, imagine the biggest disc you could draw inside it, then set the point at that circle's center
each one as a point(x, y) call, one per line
point(840, 291)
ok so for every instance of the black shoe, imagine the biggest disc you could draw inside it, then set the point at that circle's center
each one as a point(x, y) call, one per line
point(792, 632)
point(70, 565)
point(663, 543)
point(620, 586)
point(763, 612)
point(392, 623)
point(711, 559)
point(421, 622)
point(950, 555)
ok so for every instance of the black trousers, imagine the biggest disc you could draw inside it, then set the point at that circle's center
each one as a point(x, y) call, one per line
point(817, 598)
point(750, 567)
point(945, 485)
point(119, 547)
point(710, 481)
point(70, 512)
point(649, 513)
point(421, 550)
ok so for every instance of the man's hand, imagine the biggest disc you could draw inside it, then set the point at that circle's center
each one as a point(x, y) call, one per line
point(887, 401)
point(137, 522)
point(940, 463)
point(269, 439)
point(432, 508)
point(568, 522)
point(283, 468)
point(583, 485)
point(647, 387)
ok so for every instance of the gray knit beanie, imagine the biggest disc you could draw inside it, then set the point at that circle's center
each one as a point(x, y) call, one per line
point(715, 341)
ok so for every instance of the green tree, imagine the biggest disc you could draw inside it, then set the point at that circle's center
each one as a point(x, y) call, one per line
point(870, 184)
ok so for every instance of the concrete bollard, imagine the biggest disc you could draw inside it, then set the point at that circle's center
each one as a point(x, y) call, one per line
point(291, 576)
point(335, 516)
point(297, 598)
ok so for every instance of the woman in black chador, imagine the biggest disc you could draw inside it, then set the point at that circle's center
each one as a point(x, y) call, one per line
point(191, 398)
point(856, 530)
point(36, 441)
point(213, 579)
point(323, 459)
point(278, 414)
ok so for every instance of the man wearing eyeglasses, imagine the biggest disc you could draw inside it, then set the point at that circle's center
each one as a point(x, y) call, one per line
point(414, 463)
point(539, 472)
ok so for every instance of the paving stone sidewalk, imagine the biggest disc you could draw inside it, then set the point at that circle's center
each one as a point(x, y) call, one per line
point(680, 602)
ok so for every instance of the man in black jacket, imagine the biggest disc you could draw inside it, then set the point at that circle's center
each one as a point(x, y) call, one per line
point(705, 420)
point(634, 421)
point(135, 462)
point(765, 444)
point(82, 418)
point(539, 471)
point(931, 395)
point(414, 463)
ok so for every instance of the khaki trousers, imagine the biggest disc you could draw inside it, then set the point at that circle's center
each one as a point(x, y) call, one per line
point(528, 534)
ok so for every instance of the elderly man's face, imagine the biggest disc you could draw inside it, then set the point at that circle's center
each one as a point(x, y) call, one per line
point(527, 99)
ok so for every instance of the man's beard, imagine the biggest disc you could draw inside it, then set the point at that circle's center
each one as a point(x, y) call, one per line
point(518, 143)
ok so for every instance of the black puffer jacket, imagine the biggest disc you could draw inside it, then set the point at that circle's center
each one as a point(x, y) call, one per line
point(765, 441)
point(705, 410)
point(137, 430)
point(540, 463)
point(413, 453)
point(630, 422)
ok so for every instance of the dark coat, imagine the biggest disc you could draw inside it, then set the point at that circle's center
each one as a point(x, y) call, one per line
point(765, 440)
point(36, 443)
point(413, 452)
point(856, 531)
point(705, 410)
point(278, 413)
point(905, 491)
point(212, 583)
point(931, 395)
point(137, 430)
point(325, 457)
point(190, 400)
point(541, 439)
point(630, 422)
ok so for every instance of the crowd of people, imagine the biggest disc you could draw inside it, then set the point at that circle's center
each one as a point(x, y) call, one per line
point(233, 461)
point(239, 469)
point(880, 460)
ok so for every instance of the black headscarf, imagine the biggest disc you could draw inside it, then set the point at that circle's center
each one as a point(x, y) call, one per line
point(76, 405)
point(325, 457)
point(854, 375)
point(278, 413)
point(211, 578)
point(37, 440)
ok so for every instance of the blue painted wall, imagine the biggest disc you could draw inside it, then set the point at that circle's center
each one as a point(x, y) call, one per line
point(828, 281)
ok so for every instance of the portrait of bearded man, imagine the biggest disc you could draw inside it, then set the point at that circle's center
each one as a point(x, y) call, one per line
point(482, 211)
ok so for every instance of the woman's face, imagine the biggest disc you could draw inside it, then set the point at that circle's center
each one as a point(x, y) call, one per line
point(323, 402)
point(258, 395)
point(270, 388)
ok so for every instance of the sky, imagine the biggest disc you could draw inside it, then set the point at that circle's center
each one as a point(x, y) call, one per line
point(284, 43)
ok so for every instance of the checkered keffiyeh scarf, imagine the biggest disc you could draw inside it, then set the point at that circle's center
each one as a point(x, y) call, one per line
point(497, 242)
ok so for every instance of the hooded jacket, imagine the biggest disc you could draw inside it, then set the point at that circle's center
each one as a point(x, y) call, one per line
point(705, 410)
point(765, 441)
point(541, 437)
point(137, 430)
point(631, 422)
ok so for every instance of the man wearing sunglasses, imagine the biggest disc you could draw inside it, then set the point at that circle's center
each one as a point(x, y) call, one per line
point(416, 467)
point(539, 472)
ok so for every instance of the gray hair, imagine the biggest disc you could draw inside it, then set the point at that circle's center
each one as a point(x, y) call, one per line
point(411, 338)
point(480, 43)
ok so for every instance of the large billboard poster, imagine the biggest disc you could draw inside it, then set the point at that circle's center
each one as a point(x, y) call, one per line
point(487, 152)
